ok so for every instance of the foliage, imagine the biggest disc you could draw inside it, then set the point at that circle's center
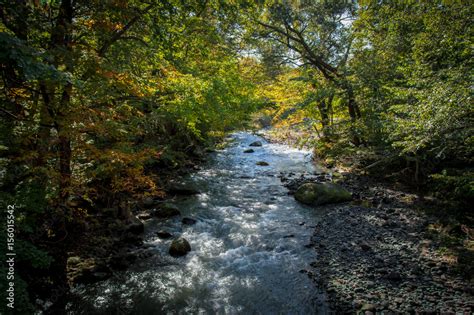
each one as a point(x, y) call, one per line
point(96, 93)
point(99, 98)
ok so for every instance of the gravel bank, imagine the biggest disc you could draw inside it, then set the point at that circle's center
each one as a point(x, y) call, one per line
point(376, 258)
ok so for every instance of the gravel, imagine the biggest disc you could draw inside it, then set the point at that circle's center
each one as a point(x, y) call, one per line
point(376, 258)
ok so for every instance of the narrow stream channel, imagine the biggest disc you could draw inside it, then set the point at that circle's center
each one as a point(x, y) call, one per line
point(248, 245)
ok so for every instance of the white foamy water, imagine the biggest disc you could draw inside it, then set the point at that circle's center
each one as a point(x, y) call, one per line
point(247, 245)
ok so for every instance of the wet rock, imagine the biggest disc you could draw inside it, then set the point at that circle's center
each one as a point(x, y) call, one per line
point(73, 261)
point(123, 260)
point(179, 247)
point(166, 211)
point(144, 216)
point(262, 163)
point(249, 151)
point(365, 246)
point(164, 234)
point(131, 238)
point(321, 193)
point(393, 276)
point(135, 226)
point(188, 221)
point(368, 307)
point(88, 271)
point(148, 202)
point(256, 144)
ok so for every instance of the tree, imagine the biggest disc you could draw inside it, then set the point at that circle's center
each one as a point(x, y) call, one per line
point(318, 34)
point(411, 64)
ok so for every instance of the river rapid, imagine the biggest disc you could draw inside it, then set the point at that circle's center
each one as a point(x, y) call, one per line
point(248, 245)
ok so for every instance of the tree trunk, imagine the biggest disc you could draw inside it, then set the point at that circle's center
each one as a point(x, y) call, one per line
point(61, 37)
point(354, 112)
point(323, 111)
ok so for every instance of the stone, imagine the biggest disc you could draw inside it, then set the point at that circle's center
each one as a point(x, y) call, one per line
point(364, 246)
point(166, 211)
point(74, 260)
point(144, 216)
point(179, 247)
point(262, 163)
point(123, 260)
point(316, 194)
point(148, 202)
point(164, 234)
point(89, 271)
point(135, 226)
point(188, 221)
point(368, 307)
point(249, 151)
point(394, 276)
point(256, 144)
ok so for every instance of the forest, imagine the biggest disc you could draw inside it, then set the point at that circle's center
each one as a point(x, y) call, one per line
point(104, 104)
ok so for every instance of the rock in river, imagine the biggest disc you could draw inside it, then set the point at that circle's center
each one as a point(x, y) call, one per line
point(164, 234)
point(249, 151)
point(144, 216)
point(316, 194)
point(166, 211)
point(188, 221)
point(179, 247)
point(256, 144)
point(262, 163)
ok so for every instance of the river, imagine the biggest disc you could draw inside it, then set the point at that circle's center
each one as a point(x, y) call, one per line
point(248, 245)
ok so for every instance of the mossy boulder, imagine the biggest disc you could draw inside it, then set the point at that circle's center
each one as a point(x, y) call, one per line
point(316, 194)
point(179, 247)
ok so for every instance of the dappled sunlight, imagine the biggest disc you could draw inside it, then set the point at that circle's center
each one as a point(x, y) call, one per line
point(381, 269)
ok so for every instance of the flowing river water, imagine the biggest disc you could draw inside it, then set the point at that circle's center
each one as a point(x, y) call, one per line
point(248, 245)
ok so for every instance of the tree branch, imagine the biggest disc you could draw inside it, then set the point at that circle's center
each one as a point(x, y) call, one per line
point(101, 52)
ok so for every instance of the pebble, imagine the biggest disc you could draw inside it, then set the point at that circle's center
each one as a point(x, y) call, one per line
point(391, 268)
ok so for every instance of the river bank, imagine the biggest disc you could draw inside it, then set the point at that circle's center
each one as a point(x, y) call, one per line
point(387, 251)
point(374, 254)
point(377, 254)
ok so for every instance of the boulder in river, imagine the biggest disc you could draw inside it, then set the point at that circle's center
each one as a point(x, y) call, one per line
point(316, 194)
point(179, 247)
point(148, 202)
point(166, 211)
point(164, 234)
point(249, 151)
point(144, 216)
point(188, 221)
point(262, 163)
point(256, 144)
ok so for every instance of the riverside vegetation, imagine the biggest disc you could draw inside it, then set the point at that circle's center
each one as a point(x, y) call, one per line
point(105, 104)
